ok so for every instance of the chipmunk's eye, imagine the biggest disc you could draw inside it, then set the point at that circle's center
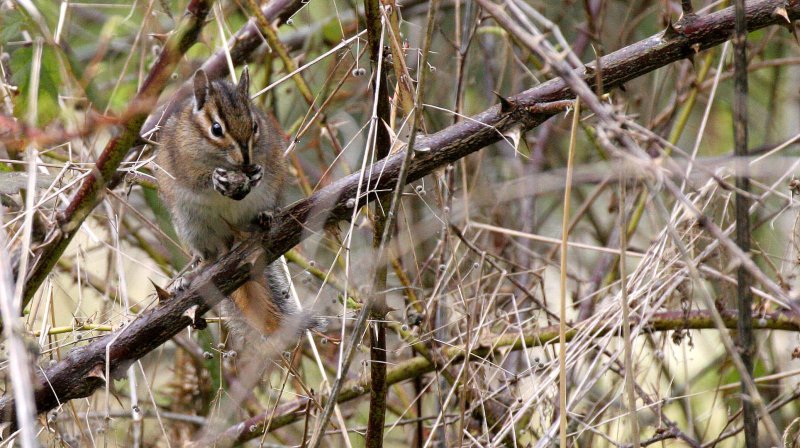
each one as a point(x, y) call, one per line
point(216, 129)
point(255, 128)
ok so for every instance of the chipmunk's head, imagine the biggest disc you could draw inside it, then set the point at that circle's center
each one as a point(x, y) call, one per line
point(223, 115)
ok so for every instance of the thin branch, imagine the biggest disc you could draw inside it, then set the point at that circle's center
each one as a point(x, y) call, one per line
point(630, 371)
point(562, 290)
point(744, 298)
point(381, 142)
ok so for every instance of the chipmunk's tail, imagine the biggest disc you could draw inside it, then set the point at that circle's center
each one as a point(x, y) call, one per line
point(265, 304)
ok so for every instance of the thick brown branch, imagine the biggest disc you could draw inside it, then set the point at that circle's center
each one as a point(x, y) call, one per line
point(81, 372)
point(84, 369)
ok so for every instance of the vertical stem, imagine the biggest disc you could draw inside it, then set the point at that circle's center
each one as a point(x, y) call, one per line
point(382, 142)
point(630, 373)
point(384, 223)
point(378, 385)
point(372, 11)
point(377, 349)
point(562, 321)
point(744, 297)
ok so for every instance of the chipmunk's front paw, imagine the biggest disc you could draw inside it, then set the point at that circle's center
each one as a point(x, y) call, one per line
point(232, 184)
point(265, 219)
point(182, 284)
point(254, 174)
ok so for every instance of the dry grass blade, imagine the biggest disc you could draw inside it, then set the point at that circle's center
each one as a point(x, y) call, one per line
point(563, 409)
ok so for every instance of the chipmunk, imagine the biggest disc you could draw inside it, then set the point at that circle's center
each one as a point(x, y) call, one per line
point(221, 171)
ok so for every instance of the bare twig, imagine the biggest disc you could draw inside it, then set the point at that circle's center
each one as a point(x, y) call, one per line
point(630, 371)
point(562, 296)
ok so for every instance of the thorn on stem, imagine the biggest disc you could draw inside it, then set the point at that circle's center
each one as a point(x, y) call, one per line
point(162, 294)
point(671, 32)
point(97, 372)
point(780, 11)
point(506, 105)
point(197, 322)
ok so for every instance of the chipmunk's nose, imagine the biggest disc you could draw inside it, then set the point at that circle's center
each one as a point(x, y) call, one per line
point(239, 154)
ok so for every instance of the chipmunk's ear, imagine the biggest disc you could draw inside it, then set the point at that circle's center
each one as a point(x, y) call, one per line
point(244, 83)
point(201, 87)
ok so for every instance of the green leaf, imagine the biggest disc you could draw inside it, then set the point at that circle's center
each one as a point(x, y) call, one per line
point(21, 64)
point(11, 24)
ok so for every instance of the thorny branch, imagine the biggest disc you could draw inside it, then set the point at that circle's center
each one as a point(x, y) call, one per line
point(381, 141)
point(744, 298)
